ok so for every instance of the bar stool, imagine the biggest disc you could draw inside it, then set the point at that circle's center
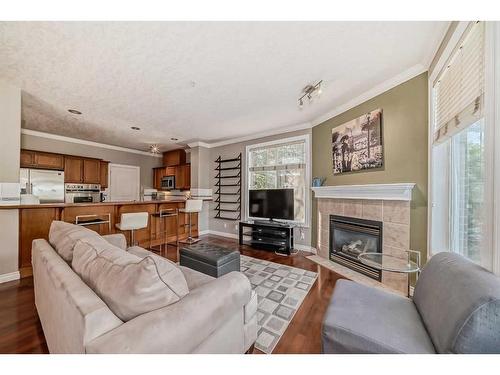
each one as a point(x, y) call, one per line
point(94, 219)
point(163, 215)
point(132, 222)
point(192, 206)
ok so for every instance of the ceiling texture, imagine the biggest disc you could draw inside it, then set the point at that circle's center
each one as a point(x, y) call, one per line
point(199, 81)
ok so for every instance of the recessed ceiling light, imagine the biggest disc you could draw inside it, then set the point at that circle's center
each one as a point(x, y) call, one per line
point(135, 128)
point(74, 111)
point(174, 139)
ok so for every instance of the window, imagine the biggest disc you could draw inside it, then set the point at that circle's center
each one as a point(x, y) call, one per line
point(468, 191)
point(459, 183)
point(281, 164)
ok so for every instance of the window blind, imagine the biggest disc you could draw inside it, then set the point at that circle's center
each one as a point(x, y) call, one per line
point(282, 156)
point(459, 89)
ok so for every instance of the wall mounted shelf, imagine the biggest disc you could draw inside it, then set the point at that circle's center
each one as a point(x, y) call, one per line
point(229, 185)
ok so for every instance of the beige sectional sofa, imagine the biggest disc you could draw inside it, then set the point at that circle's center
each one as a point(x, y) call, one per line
point(209, 316)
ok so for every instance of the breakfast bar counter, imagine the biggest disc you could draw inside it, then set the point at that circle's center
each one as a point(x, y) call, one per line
point(35, 220)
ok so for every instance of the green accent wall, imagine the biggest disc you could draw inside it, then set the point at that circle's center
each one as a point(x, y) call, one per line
point(405, 141)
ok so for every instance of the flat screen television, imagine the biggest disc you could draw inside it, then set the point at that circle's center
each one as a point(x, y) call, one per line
point(271, 204)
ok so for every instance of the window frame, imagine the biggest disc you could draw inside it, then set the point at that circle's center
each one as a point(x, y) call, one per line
point(492, 155)
point(307, 159)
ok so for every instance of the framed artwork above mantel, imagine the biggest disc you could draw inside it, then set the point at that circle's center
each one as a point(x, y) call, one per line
point(358, 144)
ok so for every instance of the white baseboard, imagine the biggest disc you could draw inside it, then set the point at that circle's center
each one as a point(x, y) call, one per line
point(223, 234)
point(203, 232)
point(10, 277)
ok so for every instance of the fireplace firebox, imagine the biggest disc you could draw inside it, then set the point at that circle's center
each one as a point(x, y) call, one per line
point(350, 237)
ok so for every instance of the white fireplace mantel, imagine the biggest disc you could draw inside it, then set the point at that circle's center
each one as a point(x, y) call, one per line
point(395, 192)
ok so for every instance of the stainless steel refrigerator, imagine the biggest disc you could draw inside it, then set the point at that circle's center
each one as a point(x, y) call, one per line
point(47, 185)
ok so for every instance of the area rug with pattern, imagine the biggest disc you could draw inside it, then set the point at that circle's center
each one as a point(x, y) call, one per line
point(280, 292)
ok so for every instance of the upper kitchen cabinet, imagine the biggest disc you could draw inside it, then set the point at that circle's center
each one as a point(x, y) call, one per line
point(91, 171)
point(27, 159)
point(174, 158)
point(49, 161)
point(73, 169)
point(42, 160)
point(183, 177)
point(77, 169)
point(82, 170)
point(104, 174)
point(158, 174)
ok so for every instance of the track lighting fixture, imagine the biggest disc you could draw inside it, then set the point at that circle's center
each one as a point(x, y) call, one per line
point(310, 91)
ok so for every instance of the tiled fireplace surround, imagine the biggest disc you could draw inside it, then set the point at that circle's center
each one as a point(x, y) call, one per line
point(395, 216)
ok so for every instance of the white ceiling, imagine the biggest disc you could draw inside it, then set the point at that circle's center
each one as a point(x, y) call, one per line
point(198, 81)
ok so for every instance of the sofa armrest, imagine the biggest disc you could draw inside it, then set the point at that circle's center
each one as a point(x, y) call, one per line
point(117, 240)
point(182, 326)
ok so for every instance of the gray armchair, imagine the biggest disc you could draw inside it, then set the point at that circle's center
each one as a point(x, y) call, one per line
point(455, 309)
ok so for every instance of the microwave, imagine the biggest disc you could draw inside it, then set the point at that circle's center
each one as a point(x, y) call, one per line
point(168, 182)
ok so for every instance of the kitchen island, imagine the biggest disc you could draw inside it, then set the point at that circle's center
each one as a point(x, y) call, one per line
point(35, 220)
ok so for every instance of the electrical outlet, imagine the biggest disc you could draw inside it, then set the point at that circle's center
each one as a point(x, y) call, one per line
point(225, 225)
point(302, 236)
point(236, 227)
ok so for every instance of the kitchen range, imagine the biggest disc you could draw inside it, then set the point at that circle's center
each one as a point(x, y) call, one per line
point(82, 193)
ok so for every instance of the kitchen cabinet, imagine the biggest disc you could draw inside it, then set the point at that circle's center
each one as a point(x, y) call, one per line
point(73, 169)
point(42, 160)
point(91, 171)
point(47, 160)
point(34, 223)
point(76, 169)
point(27, 159)
point(174, 158)
point(81, 170)
point(104, 174)
point(158, 174)
point(183, 177)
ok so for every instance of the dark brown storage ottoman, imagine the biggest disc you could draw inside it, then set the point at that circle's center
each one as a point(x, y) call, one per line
point(210, 259)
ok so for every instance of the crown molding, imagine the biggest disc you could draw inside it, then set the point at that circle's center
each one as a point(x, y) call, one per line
point(199, 144)
point(87, 143)
point(436, 43)
point(370, 94)
point(392, 192)
point(282, 130)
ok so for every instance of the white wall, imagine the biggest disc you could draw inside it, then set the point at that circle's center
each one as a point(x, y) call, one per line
point(10, 128)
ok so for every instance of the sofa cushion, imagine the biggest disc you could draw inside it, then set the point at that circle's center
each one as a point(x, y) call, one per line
point(128, 284)
point(362, 319)
point(193, 278)
point(459, 302)
point(117, 239)
point(63, 237)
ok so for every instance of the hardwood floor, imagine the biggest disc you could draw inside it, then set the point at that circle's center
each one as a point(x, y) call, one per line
point(20, 329)
point(21, 332)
